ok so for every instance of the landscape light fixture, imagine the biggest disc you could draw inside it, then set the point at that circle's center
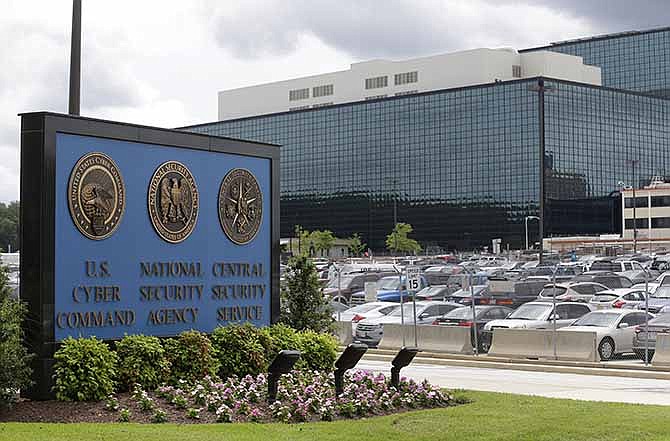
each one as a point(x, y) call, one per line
point(349, 358)
point(402, 359)
point(282, 364)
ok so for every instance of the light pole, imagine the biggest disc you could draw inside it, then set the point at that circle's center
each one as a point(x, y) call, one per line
point(526, 223)
point(634, 163)
point(75, 59)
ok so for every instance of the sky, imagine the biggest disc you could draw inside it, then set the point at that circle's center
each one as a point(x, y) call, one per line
point(162, 62)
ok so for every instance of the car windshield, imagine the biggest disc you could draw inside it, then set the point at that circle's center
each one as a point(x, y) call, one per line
point(604, 297)
point(530, 312)
point(466, 292)
point(551, 291)
point(605, 266)
point(603, 319)
point(407, 310)
point(360, 309)
point(462, 313)
point(660, 320)
point(662, 292)
point(388, 283)
point(429, 291)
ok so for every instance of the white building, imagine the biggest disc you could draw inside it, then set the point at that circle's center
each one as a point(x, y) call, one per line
point(650, 210)
point(384, 78)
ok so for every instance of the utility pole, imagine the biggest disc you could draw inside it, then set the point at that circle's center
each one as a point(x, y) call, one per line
point(75, 59)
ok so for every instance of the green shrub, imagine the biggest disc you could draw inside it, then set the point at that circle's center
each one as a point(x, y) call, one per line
point(14, 359)
point(280, 337)
point(240, 350)
point(317, 351)
point(142, 360)
point(191, 357)
point(85, 370)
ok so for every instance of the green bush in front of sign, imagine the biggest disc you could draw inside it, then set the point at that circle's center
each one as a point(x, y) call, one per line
point(85, 370)
point(240, 350)
point(280, 337)
point(191, 357)
point(143, 361)
point(318, 351)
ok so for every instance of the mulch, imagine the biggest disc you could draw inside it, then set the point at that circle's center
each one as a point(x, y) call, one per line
point(27, 411)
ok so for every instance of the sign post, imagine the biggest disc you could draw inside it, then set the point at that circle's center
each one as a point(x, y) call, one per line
point(129, 229)
point(413, 274)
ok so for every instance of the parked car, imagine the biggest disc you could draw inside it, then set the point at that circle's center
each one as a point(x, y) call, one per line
point(389, 289)
point(464, 296)
point(658, 300)
point(570, 292)
point(366, 310)
point(438, 275)
point(614, 329)
point(649, 286)
point(370, 330)
point(628, 298)
point(658, 325)
point(433, 292)
point(483, 315)
point(607, 278)
point(537, 315)
point(351, 283)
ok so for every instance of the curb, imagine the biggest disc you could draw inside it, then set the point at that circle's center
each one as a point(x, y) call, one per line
point(553, 366)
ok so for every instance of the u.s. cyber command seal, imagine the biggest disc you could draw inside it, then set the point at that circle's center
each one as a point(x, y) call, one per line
point(173, 201)
point(96, 195)
point(240, 206)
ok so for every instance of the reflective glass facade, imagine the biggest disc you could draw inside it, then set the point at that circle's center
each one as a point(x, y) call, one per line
point(462, 165)
point(638, 61)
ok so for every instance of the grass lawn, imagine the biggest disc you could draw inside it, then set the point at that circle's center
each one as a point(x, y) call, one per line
point(490, 416)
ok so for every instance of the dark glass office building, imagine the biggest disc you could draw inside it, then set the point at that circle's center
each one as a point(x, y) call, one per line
point(637, 61)
point(463, 165)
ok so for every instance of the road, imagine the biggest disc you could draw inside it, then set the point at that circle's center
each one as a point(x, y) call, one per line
point(546, 384)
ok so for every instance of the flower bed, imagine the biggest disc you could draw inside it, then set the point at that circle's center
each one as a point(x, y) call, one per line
point(302, 396)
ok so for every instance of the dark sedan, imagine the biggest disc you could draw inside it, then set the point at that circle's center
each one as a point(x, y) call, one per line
point(657, 325)
point(483, 315)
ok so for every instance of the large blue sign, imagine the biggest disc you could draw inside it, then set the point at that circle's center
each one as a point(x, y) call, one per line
point(156, 240)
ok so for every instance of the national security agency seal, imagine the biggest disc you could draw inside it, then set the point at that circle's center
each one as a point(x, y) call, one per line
point(96, 195)
point(173, 201)
point(240, 206)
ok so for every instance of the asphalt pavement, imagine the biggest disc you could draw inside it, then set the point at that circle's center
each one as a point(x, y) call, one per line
point(546, 384)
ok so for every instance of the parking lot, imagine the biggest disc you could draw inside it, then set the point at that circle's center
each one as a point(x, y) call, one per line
point(586, 308)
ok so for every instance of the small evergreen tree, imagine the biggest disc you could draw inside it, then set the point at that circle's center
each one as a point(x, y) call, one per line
point(398, 241)
point(14, 358)
point(303, 305)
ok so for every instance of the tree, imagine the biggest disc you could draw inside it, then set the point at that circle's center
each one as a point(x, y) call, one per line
point(14, 358)
point(356, 245)
point(322, 240)
point(9, 226)
point(303, 305)
point(398, 241)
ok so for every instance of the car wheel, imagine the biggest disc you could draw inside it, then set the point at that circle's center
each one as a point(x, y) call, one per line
point(606, 349)
point(484, 347)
